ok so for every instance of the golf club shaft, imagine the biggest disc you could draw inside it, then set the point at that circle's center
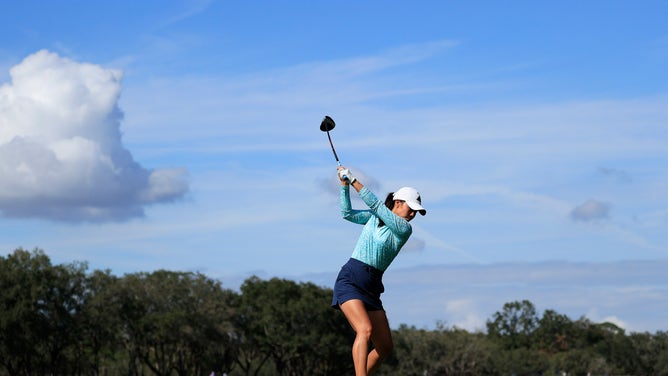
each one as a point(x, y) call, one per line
point(334, 151)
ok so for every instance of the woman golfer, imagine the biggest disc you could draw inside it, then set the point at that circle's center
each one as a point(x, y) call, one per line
point(359, 283)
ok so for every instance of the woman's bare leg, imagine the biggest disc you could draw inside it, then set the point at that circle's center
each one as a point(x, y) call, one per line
point(358, 317)
point(369, 327)
point(381, 337)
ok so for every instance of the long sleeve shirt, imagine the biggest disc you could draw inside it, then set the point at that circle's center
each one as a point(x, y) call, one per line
point(376, 246)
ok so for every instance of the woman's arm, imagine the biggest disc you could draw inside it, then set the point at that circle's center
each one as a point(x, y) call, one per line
point(396, 224)
point(347, 211)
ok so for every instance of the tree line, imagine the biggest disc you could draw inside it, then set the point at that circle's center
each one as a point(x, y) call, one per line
point(65, 320)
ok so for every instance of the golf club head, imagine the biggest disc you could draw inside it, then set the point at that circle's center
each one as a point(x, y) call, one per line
point(327, 124)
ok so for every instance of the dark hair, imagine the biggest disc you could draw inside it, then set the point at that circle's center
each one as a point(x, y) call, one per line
point(389, 202)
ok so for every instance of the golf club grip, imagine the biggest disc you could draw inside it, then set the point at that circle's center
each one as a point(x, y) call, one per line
point(345, 177)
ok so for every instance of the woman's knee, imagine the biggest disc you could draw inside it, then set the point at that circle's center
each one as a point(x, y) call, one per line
point(364, 330)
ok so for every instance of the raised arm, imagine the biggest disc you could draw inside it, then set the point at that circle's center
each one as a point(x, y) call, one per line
point(347, 211)
point(396, 224)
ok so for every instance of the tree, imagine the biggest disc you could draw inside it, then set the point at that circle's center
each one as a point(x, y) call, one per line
point(176, 321)
point(59, 320)
point(611, 342)
point(514, 325)
point(40, 304)
point(521, 361)
point(439, 352)
point(661, 362)
point(291, 327)
point(416, 352)
point(100, 340)
point(647, 349)
point(581, 362)
point(555, 333)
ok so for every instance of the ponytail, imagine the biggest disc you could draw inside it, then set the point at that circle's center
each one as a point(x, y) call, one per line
point(389, 202)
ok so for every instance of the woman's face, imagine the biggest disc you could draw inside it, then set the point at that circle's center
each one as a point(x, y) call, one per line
point(402, 209)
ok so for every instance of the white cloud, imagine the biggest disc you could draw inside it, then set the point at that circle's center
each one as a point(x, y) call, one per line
point(61, 153)
point(464, 314)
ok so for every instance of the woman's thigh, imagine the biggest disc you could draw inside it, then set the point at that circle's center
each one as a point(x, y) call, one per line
point(381, 335)
point(357, 315)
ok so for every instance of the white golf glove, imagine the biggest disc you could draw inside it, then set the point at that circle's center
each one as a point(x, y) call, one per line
point(346, 175)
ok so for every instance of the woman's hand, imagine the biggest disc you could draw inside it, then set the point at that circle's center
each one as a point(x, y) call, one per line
point(349, 178)
point(345, 176)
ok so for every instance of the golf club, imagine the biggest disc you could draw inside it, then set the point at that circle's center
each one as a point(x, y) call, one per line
point(327, 125)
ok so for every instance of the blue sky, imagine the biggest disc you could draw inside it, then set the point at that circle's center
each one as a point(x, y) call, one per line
point(184, 135)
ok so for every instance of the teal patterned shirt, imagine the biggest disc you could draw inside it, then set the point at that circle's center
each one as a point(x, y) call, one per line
point(377, 246)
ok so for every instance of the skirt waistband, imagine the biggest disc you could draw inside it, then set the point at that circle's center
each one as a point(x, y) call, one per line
point(373, 270)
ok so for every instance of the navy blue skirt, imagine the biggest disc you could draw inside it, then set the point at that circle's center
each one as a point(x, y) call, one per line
point(358, 280)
